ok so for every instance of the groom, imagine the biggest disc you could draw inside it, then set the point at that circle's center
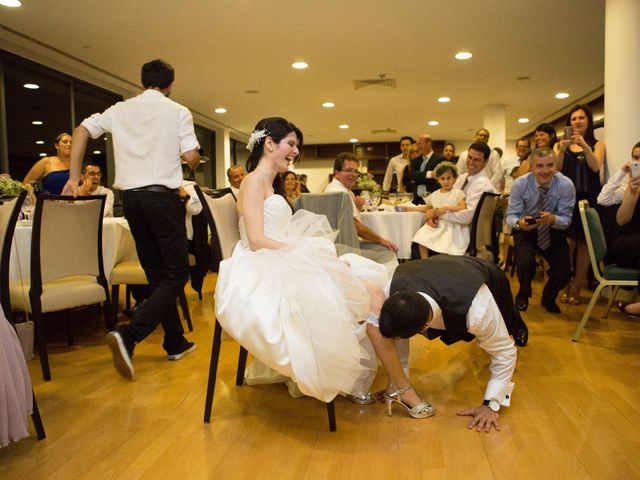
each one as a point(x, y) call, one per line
point(460, 298)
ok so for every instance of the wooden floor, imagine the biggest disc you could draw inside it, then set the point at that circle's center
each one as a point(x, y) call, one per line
point(575, 413)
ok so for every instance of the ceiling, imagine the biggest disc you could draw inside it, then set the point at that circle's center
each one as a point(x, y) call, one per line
point(222, 48)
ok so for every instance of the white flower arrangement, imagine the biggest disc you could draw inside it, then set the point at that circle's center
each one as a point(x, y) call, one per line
point(255, 137)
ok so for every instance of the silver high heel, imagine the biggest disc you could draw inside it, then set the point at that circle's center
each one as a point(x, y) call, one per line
point(421, 410)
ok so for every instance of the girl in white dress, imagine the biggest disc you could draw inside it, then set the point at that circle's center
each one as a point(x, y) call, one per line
point(447, 237)
point(284, 294)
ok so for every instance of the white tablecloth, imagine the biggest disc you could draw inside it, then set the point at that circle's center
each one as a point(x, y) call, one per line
point(117, 246)
point(399, 227)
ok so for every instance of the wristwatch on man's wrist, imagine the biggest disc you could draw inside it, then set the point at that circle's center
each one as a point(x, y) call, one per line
point(493, 404)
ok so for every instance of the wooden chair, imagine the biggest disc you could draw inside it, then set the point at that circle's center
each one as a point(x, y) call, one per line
point(606, 276)
point(223, 218)
point(66, 262)
point(483, 232)
point(9, 211)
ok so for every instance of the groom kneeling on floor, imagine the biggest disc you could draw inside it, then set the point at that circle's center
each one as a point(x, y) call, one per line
point(460, 298)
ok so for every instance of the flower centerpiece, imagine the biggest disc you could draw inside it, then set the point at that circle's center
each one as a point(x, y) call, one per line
point(11, 188)
point(366, 182)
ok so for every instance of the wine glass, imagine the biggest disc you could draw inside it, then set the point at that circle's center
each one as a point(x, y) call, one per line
point(376, 198)
point(393, 198)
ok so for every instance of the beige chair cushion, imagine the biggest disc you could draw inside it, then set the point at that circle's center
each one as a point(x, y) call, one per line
point(60, 294)
point(128, 273)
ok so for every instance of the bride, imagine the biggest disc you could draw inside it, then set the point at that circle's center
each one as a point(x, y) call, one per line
point(284, 294)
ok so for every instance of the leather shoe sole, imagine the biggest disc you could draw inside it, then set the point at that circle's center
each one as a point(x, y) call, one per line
point(521, 337)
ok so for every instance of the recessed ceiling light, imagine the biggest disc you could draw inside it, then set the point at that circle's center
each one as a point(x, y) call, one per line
point(37, 122)
point(11, 3)
point(42, 154)
point(344, 125)
point(434, 123)
point(523, 120)
point(562, 95)
point(39, 142)
point(463, 55)
point(444, 99)
point(328, 104)
point(220, 110)
point(353, 140)
point(300, 65)
point(96, 152)
point(31, 86)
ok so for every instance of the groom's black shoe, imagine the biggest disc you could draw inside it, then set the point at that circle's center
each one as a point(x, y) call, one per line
point(521, 337)
point(522, 304)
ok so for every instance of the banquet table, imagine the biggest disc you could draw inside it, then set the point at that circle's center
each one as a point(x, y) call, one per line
point(399, 227)
point(117, 245)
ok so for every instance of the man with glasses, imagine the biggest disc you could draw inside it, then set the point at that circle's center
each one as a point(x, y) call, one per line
point(345, 176)
point(90, 177)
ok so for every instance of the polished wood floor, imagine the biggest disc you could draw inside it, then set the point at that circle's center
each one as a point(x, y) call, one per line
point(575, 413)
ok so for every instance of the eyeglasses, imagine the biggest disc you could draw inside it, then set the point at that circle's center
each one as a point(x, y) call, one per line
point(349, 170)
point(94, 174)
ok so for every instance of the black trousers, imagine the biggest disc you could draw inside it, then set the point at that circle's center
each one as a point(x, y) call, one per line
point(557, 255)
point(156, 220)
point(624, 251)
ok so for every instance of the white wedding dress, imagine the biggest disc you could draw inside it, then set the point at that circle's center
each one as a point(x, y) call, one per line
point(301, 310)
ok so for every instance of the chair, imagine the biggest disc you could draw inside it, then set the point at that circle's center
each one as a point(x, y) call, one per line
point(338, 208)
point(9, 211)
point(223, 219)
point(483, 232)
point(66, 262)
point(609, 275)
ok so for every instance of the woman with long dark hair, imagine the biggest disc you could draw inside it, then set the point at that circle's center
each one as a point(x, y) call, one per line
point(580, 157)
point(284, 294)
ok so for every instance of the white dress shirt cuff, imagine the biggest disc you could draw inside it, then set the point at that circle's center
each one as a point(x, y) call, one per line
point(499, 391)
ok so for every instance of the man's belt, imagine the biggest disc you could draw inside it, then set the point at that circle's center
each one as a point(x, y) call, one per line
point(155, 188)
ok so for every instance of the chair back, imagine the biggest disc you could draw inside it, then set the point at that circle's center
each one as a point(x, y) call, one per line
point(225, 232)
point(338, 208)
point(483, 230)
point(9, 211)
point(66, 238)
point(594, 235)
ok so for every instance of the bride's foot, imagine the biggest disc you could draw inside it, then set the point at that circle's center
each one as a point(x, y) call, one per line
point(409, 399)
point(574, 296)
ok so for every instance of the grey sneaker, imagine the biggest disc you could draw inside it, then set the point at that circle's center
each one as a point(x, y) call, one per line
point(185, 350)
point(121, 357)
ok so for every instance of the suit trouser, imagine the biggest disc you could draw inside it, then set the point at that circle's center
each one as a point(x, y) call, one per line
point(557, 255)
point(157, 223)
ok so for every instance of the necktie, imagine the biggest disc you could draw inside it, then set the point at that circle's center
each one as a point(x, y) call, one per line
point(464, 185)
point(544, 231)
point(422, 190)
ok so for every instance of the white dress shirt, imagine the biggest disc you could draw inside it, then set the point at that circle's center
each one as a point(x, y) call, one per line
point(396, 166)
point(485, 321)
point(475, 186)
point(338, 186)
point(108, 203)
point(493, 168)
point(149, 134)
point(613, 191)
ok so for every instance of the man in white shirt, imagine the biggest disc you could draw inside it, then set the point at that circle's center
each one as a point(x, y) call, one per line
point(235, 174)
point(151, 135)
point(397, 164)
point(473, 183)
point(456, 298)
point(493, 168)
point(345, 176)
point(90, 178)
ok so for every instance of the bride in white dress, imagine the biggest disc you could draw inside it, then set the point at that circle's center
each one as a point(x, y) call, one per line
point(284, 295)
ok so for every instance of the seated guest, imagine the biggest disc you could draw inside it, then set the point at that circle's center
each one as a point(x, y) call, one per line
point(493, 167)
point(452, 298)
point(302, 181)
point(235, 174)
point(624, 249)
point(539, 212)
point(53, 171)
point(291, 188)
point(90, 177)
point(451, 238)
point(345, 175)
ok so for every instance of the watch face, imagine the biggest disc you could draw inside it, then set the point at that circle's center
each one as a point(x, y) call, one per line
point(494, 405)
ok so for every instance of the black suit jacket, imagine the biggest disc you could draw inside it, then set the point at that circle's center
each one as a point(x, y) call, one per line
point(420, 178)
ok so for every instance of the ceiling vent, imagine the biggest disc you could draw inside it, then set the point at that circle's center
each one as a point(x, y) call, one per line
point(386, 130)
point(375, 82)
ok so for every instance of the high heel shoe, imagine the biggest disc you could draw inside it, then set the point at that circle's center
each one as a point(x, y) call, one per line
point(421, 410)
point(564, 296)
point(574, 295)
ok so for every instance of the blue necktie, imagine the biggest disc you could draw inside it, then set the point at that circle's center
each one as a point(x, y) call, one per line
point(544, 231)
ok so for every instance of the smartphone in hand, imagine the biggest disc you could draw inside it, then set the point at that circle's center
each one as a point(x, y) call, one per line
point(635, 168)
point(568, 132)
point(529, 220)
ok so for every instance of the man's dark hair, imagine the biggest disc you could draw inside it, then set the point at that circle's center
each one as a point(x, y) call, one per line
point(524, 139)
point(481, 147)
point(403, 315)
point(156, 73)
point(341, 158)
point(407, 138)
point(90, 163)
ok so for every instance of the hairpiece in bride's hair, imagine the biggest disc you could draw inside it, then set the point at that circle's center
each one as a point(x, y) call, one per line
point(255, 138)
